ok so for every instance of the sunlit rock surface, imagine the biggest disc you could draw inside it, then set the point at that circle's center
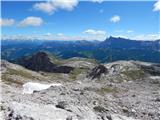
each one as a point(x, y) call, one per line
point(122, 90)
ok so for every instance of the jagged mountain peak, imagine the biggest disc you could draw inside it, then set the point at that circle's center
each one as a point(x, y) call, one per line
point(115, 38)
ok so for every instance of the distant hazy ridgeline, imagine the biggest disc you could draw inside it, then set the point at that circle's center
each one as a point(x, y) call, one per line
point(111, 49)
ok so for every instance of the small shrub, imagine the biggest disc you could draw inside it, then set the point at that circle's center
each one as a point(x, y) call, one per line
point(107, 89)
point(99, 109)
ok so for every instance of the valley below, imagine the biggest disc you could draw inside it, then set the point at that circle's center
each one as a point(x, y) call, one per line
point(121, 90)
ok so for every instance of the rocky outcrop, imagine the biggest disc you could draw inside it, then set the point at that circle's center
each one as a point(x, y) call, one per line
point(98, 71)
point(127, 69)
point(153, 69)
point(42, 62)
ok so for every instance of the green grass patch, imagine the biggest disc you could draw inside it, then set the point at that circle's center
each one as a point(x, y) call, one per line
point(8, 80)
point(56, 60)
point(7, 76)
point(73, 74)
point(81, 59)
point(107, 89)
point(134, 74)
point(21, 73)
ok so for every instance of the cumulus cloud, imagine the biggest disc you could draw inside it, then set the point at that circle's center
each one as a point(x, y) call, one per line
point(115, 19)
point(51, 6)
point(157, 6)
point(95, 32)
point(65, 4)
point(31, 21)
point(6, 22)
point(46, 7)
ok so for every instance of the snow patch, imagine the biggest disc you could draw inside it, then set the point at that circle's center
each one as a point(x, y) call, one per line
point(30, 87)
point(155, 77)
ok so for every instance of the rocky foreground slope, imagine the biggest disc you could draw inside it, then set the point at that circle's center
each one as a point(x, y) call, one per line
point(122, 90)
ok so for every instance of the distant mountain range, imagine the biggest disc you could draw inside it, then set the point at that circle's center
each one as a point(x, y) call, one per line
point(109, 50)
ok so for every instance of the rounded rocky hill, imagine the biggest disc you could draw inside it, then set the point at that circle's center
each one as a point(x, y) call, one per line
point(41, 61)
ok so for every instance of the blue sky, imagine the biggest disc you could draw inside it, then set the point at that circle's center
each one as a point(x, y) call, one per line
point(78, 20)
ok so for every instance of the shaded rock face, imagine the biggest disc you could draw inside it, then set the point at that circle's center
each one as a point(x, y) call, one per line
point(41, 62)
point(152, 69)
point(98, 71)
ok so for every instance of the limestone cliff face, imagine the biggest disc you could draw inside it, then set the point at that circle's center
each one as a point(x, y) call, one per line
point(41, 62)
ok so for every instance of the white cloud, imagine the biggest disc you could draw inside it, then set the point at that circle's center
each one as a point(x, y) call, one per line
point(17, 37)
point(130, 31)
point(46, 7)
point(115, 19)
point(123, 31)
point(51, 6)
point(31, 21)
point(61, 36)
point(97, 1)
point(95, 32)
point(65, 4)
point(47, 34)
point(146, 37)
point(140, 37)
point(6, 22)
point(157, 6)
